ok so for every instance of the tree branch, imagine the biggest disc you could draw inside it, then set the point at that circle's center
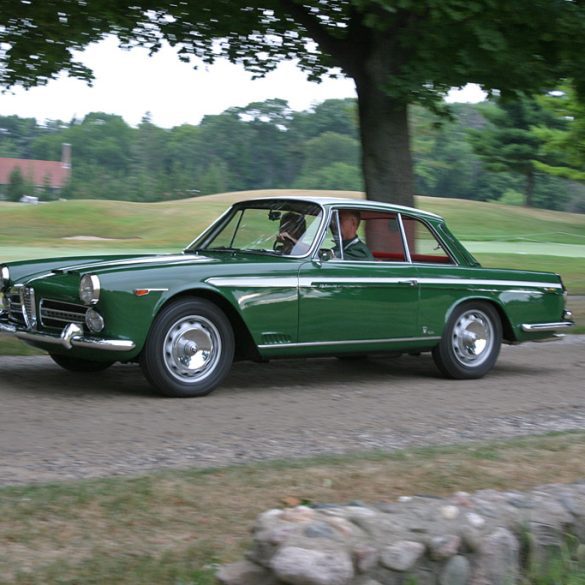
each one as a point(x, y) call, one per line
point(338, 49)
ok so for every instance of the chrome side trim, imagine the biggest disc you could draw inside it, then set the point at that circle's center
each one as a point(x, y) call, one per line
point(293, 282)
point(486, 282)
point(348, 342)
point(255, 282)
point(538, 327)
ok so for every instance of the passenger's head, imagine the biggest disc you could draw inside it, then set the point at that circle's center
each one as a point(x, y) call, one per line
point(291, 229)
point(293, 224)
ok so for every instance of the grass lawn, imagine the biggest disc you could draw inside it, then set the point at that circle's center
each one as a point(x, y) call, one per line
point(174, 527)
point(176, 223)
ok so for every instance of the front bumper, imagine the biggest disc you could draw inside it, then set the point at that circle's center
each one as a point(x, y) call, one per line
point(71, 336)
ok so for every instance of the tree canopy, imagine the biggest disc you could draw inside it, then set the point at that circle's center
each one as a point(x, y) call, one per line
point(398, 52)
point(266, 145)
point(563, 146)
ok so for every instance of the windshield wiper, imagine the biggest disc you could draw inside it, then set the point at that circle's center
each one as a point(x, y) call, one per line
point(261, 251)
point(218, 249)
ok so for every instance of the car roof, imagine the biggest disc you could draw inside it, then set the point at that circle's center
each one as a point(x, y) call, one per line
point(354, 203)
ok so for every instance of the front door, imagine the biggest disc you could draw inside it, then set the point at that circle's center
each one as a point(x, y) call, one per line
point(357, 305)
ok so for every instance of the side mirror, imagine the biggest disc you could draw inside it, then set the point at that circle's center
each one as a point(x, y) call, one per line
point(325, 255)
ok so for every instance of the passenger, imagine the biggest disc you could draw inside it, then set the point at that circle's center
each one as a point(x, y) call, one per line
point(353, 247)
point(292, 227)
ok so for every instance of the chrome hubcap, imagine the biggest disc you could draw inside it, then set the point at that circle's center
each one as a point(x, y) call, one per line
point(473, 338)
point(191, 349)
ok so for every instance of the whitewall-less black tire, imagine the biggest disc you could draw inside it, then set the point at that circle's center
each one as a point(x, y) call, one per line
point(189, 350)
point(471, 341)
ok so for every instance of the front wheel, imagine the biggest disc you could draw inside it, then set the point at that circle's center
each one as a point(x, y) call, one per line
point(189, 350)
point(471, 341)
point(78, 365)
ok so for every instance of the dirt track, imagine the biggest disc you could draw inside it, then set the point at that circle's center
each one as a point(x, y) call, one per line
point(55, 425)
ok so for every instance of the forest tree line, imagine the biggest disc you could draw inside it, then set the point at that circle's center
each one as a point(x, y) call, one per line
point(522, 152)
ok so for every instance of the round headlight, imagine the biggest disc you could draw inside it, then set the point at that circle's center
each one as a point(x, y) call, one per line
point(89, 289)
point(4, 277)
point(94, 321)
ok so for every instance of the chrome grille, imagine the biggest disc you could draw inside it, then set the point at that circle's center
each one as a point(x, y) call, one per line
point(14, 306)
point(56, 314)
point(28, 306)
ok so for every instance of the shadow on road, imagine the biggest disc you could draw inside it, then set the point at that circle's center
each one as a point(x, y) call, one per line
point(40, 376)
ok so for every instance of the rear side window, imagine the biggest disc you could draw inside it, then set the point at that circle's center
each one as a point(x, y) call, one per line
point(382, 235)
point(423, 244)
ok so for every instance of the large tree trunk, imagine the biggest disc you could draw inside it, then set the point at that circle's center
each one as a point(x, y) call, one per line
point(385, 137)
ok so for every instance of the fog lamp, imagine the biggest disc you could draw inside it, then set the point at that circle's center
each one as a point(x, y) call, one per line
point(94, 321)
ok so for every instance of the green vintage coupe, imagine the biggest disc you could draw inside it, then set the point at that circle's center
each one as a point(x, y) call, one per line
point(282, 277)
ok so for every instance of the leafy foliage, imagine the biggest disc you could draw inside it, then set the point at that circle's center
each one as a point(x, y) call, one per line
point(398, 52)
point(264, 145)
point(564, 145)
point(16, 187)
point(509, 143)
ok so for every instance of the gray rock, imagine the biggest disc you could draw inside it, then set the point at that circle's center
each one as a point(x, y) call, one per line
point(498, 561)
point(464, 540)
point(444, 547)
point(455, 572)
point(320, 530)
point(245, 573)
point(365, 557)
point(402, 556)
point(299, 566)
point(471, 538)
point(520, 501)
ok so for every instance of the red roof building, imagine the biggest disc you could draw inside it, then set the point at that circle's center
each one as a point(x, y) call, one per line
point(39, 173)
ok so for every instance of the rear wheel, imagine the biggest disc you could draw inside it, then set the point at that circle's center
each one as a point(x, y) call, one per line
point(78, 365)
point(471, 341)
point(189, 350)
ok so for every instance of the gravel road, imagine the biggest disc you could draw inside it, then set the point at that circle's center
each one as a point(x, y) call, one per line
point(55, 425)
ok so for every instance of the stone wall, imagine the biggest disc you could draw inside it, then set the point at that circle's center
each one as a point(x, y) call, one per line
point(487, 538)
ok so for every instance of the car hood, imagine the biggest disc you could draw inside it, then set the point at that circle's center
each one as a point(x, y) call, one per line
point(27, 271)
point(97, 266)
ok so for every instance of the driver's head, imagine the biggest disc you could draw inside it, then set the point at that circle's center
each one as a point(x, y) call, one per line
point(349, 221)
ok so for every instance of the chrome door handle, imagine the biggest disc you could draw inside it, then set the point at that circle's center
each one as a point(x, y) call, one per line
point(409, 282)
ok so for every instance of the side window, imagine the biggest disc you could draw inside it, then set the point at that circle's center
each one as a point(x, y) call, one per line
point(383, 236)
point(378, 236)
point(347, 236)
point(331, 241)
point(423, 245)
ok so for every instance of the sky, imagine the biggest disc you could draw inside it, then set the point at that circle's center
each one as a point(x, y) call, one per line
point(130, 84)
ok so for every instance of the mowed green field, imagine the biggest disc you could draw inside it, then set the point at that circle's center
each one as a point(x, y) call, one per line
point(499, 235)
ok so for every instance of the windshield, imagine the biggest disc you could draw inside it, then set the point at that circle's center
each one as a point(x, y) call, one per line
point(283, 228)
